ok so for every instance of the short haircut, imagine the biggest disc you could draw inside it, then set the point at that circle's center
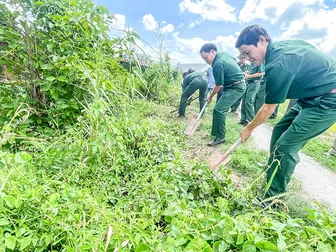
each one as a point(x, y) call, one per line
point(191, 70)
point(250, 36)
point(208, 47)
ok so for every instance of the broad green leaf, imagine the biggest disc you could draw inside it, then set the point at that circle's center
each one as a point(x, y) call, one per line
point(266, 245)
point(51, 78)
point(323, 247)
point(180, 241)
point(10, 242)
point(22, 157)
point(50, 47)
point(198, 244)
point(249, 247)
point(25, 242)
point(142, 247)
point(240, 239)
point(10, 201)
point(39, 4)
point(4, 222)
point(18, 203)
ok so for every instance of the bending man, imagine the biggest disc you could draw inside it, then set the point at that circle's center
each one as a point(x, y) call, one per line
point(294, 70)
point(192, 82)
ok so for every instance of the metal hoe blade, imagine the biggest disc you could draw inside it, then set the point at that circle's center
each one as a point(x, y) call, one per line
point(194, 123)
point(217, 159)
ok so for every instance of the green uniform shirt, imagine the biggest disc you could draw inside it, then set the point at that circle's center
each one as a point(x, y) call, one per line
point(257, 69)
point(187, 80)
point(225, 70)
point(245, 67)
point(297, 70)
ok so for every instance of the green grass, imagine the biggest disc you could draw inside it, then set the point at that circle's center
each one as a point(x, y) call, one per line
point(317, 149)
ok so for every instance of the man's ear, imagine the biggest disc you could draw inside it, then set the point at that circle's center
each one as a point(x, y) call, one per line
point(262, 39)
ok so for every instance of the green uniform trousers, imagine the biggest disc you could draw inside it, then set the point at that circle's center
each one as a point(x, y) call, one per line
point(248, 102)
point(260, 98)
point(308, 118)
point(235, 106)
point(196, 83)
point(228, 98)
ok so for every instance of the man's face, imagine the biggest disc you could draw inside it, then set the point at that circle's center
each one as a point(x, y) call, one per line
point(208, 57)
point(255, 54)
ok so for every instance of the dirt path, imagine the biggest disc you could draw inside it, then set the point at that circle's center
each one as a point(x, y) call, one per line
point(318, 183)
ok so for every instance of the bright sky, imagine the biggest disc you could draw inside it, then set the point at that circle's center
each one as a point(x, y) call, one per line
point(188, 24)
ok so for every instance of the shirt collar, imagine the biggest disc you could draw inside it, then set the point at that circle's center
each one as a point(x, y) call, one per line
point(269, 50)
point(213, 62)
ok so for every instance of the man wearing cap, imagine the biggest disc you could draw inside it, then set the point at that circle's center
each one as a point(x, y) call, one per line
point(294, 69)
point(229, 76)
point(192, 82)
point(245, 68)
point(253, 79)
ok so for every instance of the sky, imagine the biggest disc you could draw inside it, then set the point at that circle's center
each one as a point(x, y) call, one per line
point(188, 24)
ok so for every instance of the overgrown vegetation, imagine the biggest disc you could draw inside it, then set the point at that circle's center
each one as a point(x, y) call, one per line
point(108, 174)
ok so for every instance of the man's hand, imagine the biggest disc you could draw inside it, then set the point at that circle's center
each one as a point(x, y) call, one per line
point(209, 99)
point(245, 134)
point(263, 114)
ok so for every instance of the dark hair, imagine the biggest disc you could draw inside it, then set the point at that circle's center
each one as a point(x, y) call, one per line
point(208, 47)
point(191, 70)
point(250, 36)
point(185, 74)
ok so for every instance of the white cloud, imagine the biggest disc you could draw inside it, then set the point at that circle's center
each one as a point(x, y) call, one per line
point(149, 22)
point(214, 10)
point(194, 23)
point(167, 29)
point(322, 23)
point(186, 50)
point(270, 10)
point(118, 22)
point(310, 20)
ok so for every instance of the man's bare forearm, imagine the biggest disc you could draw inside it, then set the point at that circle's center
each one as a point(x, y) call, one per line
point(263, 114)
point(255, 75)
point(215, 90)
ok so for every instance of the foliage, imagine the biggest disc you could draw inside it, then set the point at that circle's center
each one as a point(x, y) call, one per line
point(163, 82)
point(125, 172)
point(61, 53)
point(114, 178)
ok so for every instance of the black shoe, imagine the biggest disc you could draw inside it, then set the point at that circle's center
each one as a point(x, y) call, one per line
point(234, 112)
point(274, 204)
point(217, 141)
point(181, 116)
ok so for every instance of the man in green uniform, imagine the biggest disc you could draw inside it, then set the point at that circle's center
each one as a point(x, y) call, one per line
point(296, 70)
point(229, 76)
point(252, 87)
point(245, 68)
point(192, 82)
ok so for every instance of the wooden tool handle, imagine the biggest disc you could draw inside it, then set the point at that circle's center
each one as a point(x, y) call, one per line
point(200, 114)
point(229, 151)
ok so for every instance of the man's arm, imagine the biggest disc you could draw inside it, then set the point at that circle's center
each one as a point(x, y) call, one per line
point(214, 91)
point(255, 75)
point(263, 114)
